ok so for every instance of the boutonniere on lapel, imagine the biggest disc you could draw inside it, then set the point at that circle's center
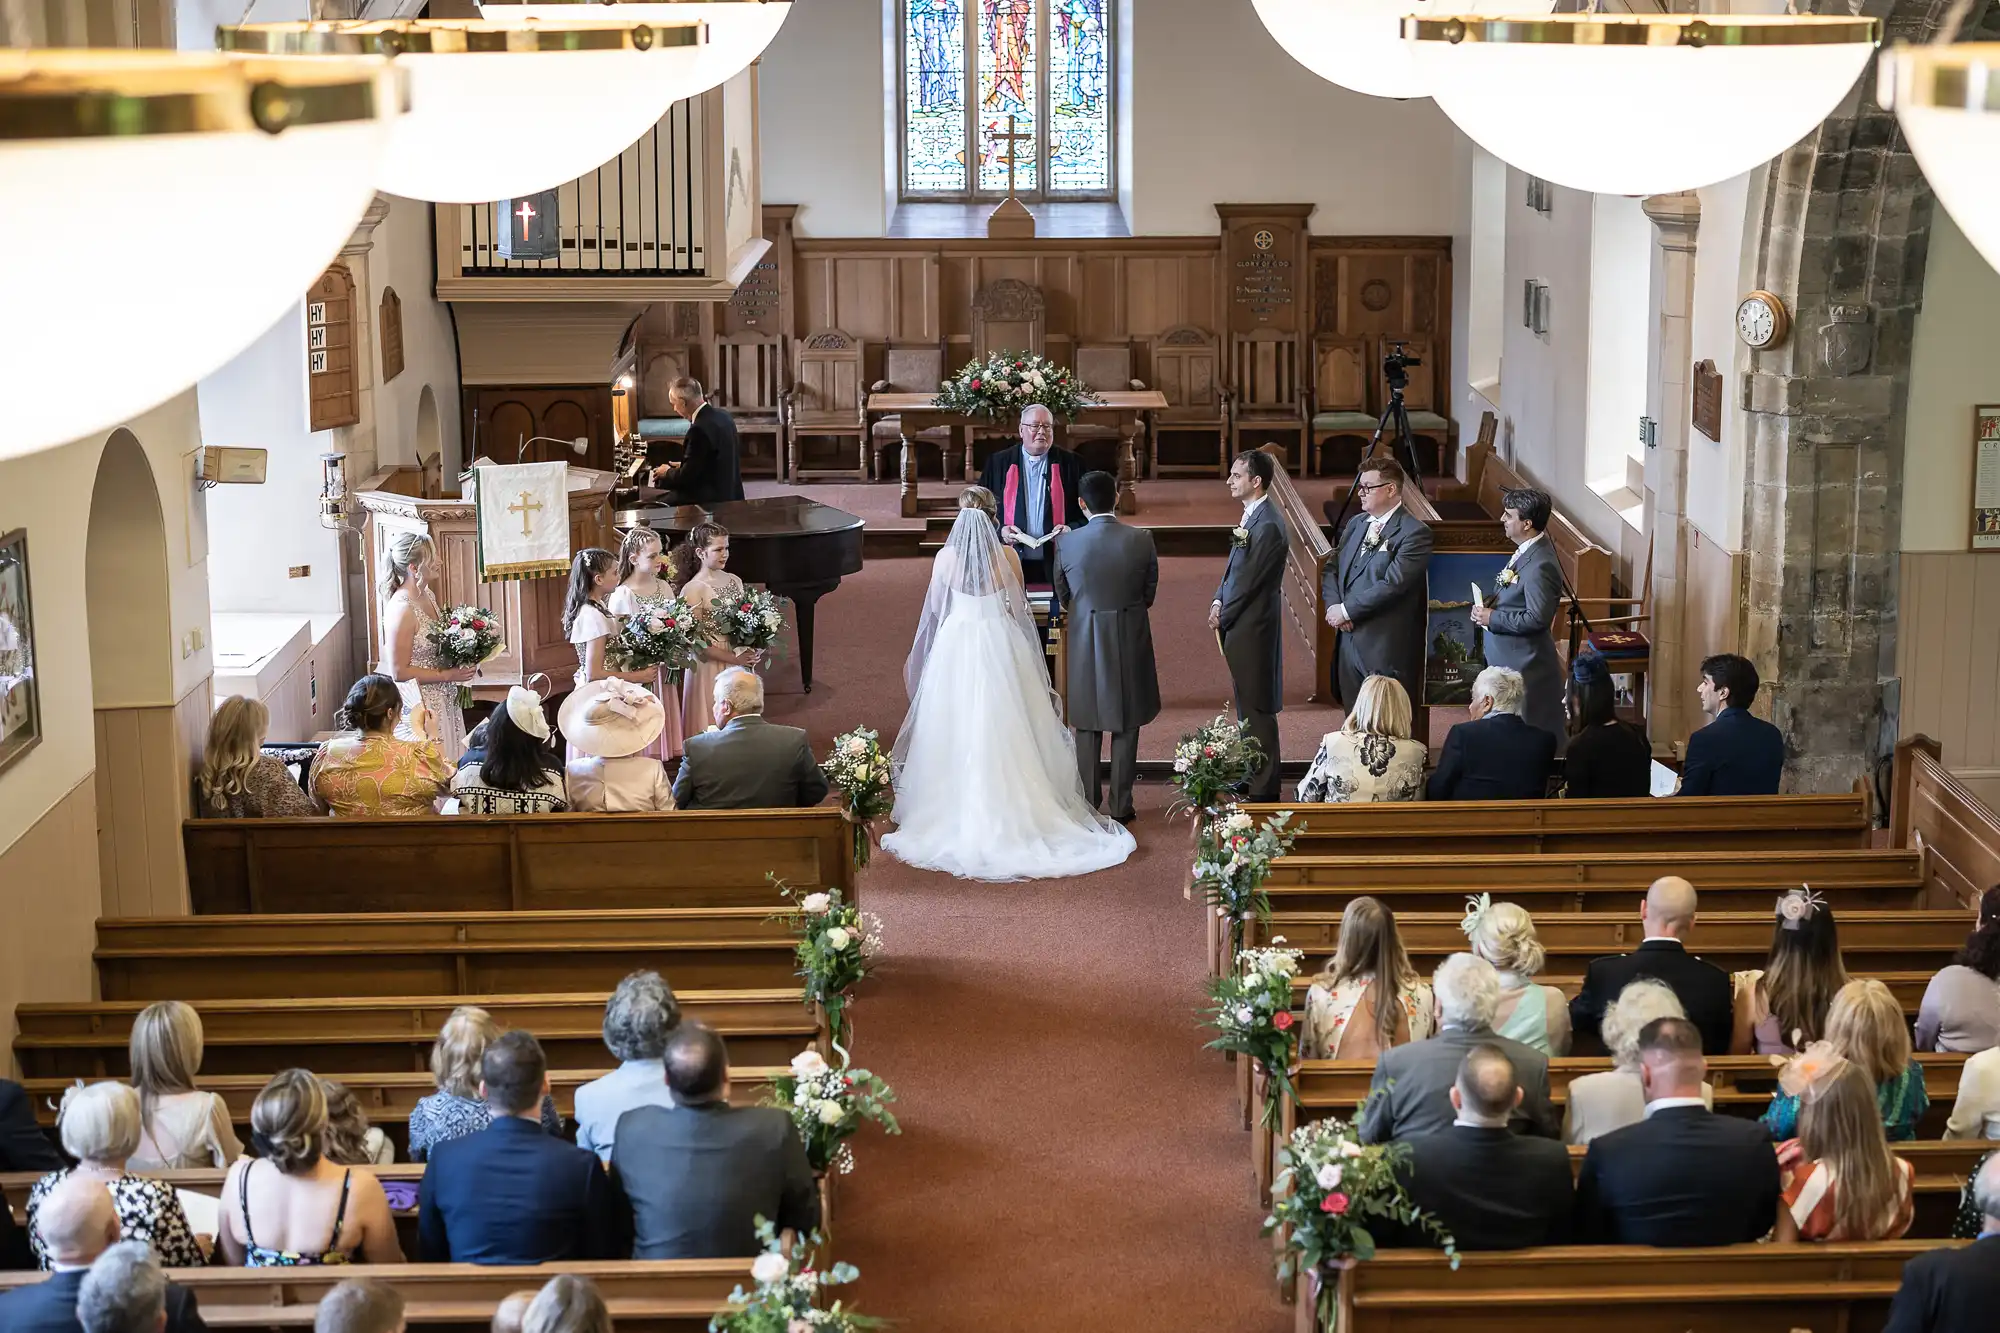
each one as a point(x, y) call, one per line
point(1239, 538)
point(1371, 541)
point(1508, 578)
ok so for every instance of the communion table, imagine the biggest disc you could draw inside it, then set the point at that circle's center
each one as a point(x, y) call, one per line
point(1126, 409)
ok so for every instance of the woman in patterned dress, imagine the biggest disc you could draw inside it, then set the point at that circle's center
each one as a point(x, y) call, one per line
point(641, 590)
point(238, 780)
point(455, 1109)
point(1369, 998)
point(700, 562)
point(1838, 1179)
point(99, 1124)
point(410, 612)
point(519, 774)
point(290, 1207)
point(373, 772)
point(1372, 757)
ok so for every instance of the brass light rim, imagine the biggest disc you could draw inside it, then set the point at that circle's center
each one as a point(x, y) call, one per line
point(82, 94)
point(1648, 30)
point(1964, 76)
point(454, 37)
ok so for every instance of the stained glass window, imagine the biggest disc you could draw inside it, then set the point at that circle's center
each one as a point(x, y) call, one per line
point(969, 65)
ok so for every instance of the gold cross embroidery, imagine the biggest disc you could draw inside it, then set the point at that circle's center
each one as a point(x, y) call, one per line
point(524, 509)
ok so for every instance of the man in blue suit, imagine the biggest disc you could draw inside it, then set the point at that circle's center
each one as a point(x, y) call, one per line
point(511, 1194)
point(1735, 754)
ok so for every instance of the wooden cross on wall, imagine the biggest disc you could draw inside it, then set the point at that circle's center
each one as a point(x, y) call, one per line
point(1012, 218)
point(1011, 138)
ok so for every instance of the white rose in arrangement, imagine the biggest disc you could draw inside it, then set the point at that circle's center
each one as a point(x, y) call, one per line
point(1239, 820)
point(1181, 764)
point(1329, 1175)
point(855, 745)
point(1349, 1148)
point(798, 1326)
point(770, 1267)
point(815, 903)
point(808, 1064)
point(838, 938)
point(831, 1113)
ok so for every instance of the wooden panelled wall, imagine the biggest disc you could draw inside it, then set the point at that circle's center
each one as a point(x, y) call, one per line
point(1948, 655)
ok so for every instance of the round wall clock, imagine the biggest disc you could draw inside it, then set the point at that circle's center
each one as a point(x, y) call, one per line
point(1762, 320)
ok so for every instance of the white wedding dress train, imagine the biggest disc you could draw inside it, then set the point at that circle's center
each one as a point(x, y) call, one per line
point(987, 786)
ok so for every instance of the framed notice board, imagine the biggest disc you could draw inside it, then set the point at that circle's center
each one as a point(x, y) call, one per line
point(1986, 478)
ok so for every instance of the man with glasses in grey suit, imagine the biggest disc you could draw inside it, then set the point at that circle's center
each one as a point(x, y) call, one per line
point(1377, 587)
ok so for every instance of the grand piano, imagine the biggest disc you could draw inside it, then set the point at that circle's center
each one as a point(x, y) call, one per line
point(798, 548)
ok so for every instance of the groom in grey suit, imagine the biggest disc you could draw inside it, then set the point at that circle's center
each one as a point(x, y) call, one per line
point(1247, 616)
point(1377, 588)
point(1521, 608)
point(1106, 574)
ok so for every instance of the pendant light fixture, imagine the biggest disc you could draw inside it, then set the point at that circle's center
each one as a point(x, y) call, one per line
point(158, 211)
point(1359, 44)
point(738, 30)
point(500, 110)
point(1639, 104)
point(1946, 96)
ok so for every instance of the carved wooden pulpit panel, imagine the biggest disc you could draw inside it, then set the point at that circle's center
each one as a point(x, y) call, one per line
point(1008, 316)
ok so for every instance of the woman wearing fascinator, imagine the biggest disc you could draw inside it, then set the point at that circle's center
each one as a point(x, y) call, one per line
point(1838, 1179)
point(1865, 1027)
point(1607, 756)
point(1782, 1007)
point(608, 724)
point(1504, 935)
point(519, 774)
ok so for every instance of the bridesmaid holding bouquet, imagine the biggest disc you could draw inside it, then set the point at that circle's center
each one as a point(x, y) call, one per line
point(700, 561)
point(642, 591)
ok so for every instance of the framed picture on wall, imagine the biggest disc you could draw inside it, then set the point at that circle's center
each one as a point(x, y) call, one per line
point(1986, 478)
point(20, 704)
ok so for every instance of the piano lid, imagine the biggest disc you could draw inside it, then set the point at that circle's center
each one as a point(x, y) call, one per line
point(774, 516)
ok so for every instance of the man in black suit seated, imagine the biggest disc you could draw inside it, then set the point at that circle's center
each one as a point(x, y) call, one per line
point(23, 1146)
point(1667, 917)
point(1038, 488)
point(700, 1172)
point(1956, 1291)
point(750, 764)
point(1684, 1175)
point(711, 466)
point(79, 1226)
point(1497, 756)
point(512, 1194)
point(1490, 1188)
point(1735, 754)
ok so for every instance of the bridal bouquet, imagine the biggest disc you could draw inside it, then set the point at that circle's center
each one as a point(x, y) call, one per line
point(751, 620)
point(1253, 1017)
point(669, 639)
point(1213, 761)
point(1232, 861)
point(828, 1105)
point(859, 771)
point(1329, 1186)
point(1006, 382)
point(788, 1288)
point(464, 636)
point(836, 952)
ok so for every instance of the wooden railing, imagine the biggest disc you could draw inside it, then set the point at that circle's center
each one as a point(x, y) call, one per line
point(1930, 810)
point(1305, 567)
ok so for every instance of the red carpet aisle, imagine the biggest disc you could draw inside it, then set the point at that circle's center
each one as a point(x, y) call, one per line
point(1070, 1156)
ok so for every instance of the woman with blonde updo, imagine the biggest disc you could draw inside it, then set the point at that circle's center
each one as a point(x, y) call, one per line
point(701, 570)
point(410, 612)
point(180, 1127)
point(238, 780)
point(289, 1206)
point(1504, 935)
point(99, 1125)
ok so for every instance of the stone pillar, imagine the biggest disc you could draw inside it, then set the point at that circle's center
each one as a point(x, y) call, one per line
point(1676, 218)
point(358, 441)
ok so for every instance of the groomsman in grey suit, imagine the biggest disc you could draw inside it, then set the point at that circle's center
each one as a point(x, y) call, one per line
point(1247, 616)
point(1376, 590)
point(1522, 607)
point(1106, 574)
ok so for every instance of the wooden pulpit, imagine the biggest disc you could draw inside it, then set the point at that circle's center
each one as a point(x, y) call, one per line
point(529, 609)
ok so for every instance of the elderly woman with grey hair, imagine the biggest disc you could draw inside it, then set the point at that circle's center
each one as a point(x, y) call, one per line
point(1600, 1103)
point(99, 1125)
point(638, 1018)
point(1496, 756)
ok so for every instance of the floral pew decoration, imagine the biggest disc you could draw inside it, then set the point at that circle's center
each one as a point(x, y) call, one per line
point(1252, 1017)
point(1232, 861)
point(1212, 762)
point(786, 1297)
point(837, 947)
point(857, 768)
point(828, 1105)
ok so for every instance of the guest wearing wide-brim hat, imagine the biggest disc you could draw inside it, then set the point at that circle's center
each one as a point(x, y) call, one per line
point(607, 723)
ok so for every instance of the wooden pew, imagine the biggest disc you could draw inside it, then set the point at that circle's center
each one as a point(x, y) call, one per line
point(496, 863)
point(1871, 943)
point(1931, 809)
point(392, 1033)
point(436, 953)
point(1638, 824)
point(1586, 1289)
point(654, 1296)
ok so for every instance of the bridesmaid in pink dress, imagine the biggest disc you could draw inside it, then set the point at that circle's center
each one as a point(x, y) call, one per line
point(588, 623)
point(640, 590)
point(700, 562)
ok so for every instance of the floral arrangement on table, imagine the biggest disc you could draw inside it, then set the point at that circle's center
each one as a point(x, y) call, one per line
point(1329, 1187)
point(1212, 761)
point(829, 1104)
point(786, 1297)
point(669, 638)
point(1232, 861)
point(752, 620)
point(1006, 382)
point(836, 951)
point(1253, 1017)
point(857, 768)
point(464, 636)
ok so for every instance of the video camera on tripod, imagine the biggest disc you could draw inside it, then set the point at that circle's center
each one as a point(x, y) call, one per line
point(1392, 431)
point(1395, 367)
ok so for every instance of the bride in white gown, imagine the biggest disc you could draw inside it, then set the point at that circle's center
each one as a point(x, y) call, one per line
point(986, 777)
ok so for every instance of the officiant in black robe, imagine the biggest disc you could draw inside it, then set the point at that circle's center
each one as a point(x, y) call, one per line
point(1037, 487)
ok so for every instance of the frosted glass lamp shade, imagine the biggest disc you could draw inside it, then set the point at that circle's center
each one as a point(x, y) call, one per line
point(738, 30)
point(133, 263)
point(499, 110)
point(1650, 105)
point(1358, 44)
point(1947, 99)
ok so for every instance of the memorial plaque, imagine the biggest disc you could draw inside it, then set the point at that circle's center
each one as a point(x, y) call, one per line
point(333, 395)
point(1708, 400)
point(389, 332)
point(1263, 247)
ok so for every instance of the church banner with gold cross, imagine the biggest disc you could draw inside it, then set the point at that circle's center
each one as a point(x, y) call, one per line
point(523, 513)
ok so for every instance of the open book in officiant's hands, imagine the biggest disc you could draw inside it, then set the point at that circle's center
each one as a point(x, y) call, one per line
point(1016, 537)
